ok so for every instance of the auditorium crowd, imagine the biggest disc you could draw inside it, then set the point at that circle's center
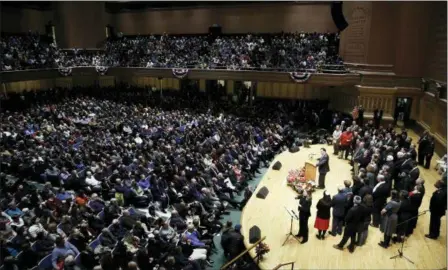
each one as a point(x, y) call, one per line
point(96, 178)
point(312, 52)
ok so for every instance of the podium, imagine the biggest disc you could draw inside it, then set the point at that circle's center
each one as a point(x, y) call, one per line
point(310, 171)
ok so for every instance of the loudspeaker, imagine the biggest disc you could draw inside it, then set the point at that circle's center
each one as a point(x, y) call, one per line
point(262, 193)
point(294, 149)
point(277, 166)
point(338, 16)
point(215, 30)
point(254, 235)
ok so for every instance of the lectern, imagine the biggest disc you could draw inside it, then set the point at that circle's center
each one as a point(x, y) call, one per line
point(310, 171)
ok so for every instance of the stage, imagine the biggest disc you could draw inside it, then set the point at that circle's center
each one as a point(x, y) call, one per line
point(274, 222)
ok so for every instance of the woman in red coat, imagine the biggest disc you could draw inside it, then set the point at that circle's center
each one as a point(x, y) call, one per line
point(323, 216)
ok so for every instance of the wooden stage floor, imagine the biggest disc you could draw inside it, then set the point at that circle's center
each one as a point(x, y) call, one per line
point(273, 220)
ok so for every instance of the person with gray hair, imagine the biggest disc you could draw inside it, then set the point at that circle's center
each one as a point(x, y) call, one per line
point(352, 221)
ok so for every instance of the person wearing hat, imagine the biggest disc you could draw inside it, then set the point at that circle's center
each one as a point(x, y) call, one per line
point(352, 221)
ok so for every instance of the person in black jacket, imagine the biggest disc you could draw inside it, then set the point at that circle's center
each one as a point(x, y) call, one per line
point(415, 197)
point(404, 214)
point(352, 221)
point(437, 207)
point(304, 214)
point(429, 151)
point(363, 229)
point(422, 145)
point(323, 215)
point(365, 189)
point(236, 242)
point(225, 237)
point(380, 194)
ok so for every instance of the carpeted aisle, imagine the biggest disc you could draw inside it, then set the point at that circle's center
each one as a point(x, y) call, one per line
point(234, 216)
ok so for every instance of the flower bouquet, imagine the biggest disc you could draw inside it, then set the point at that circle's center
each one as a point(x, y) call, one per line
point(261, 249)
point(296, 180)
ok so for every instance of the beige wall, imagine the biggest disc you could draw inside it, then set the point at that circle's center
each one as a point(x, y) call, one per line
point(410, 37)
point(252, 18)
point(80, 24)
point(435, 53)
point(15, 20)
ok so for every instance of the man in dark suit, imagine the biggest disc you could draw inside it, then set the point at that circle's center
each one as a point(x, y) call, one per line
point(437, 207)
point(380, 194)
point(352, 221)
point(323, 166)
point(304, 214)
point(429, 151)
point(364, 190)
point(422, 146)
point(338, 203)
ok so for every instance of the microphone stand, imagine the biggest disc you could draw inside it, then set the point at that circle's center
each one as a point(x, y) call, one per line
point(290, 234)
point(400, 250)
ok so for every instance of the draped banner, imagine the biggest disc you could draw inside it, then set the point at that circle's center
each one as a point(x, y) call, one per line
point(65, 71)
point(101, 70)
point(300, 77)
point(180, 73)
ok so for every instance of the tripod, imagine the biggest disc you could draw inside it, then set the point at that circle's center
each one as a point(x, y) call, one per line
point(400, 250)
point(290, 234)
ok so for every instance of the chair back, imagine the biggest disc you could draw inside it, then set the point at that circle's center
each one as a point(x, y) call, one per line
point(45, 263)
point(94, 244)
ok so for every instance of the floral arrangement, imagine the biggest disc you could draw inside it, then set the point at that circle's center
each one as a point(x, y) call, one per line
point(261, 249)
point(296, 180)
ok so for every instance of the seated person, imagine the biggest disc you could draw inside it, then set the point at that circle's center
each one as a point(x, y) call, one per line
point(61, 251)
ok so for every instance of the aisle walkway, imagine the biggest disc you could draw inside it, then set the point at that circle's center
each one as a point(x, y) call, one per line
point(235, 217)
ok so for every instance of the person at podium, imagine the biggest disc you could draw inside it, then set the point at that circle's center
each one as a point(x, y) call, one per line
point(323, 166)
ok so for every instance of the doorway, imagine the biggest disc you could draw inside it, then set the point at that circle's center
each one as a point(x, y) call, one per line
point(402, 112)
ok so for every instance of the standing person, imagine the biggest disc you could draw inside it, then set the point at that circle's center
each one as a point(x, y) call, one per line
point(344, 146)
point(352, 221)
point(355, 113)
point(437, 207)
point(405, 213)
point(367, 207)
point(323, 216)
point(360, 115)
point(304, 214)
point(429, 151)
point(376, 118)
point(323, 166)
point(338, 203)
point(336, 140)
point(422, 144)
point(415, 197)
point(380, 194)
point(390, 219)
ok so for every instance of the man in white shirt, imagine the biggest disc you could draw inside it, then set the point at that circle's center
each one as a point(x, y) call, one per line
point(207, 161)
point(91, 181)
point(36, 228)
point(138, 140)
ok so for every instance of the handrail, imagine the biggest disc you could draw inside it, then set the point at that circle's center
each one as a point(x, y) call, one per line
point(285, 264)
point(242, 253)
